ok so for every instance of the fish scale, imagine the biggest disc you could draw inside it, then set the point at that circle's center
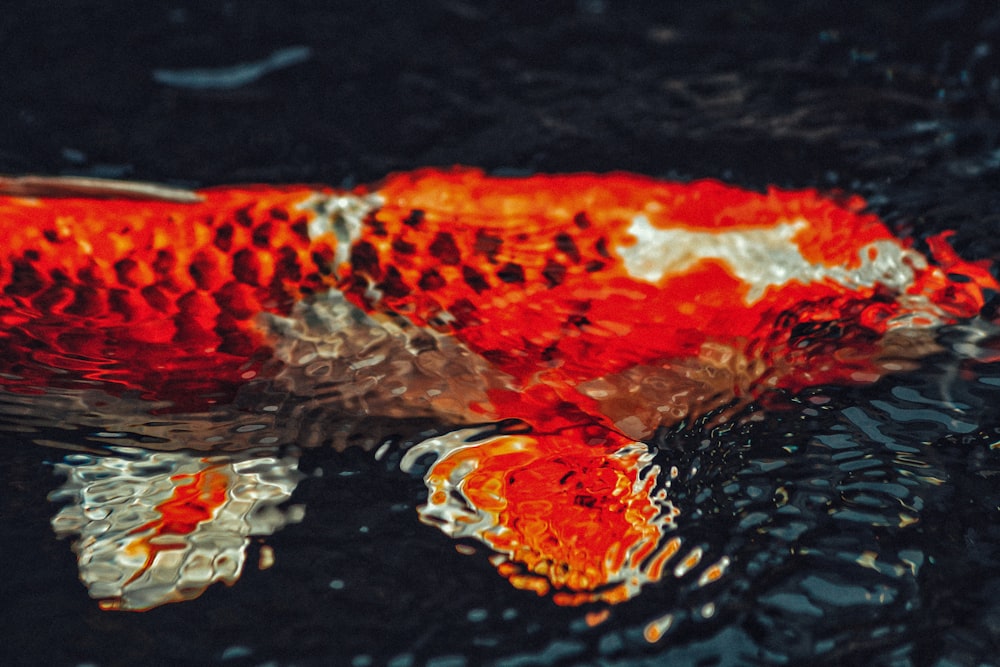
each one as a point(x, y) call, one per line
point(174, 287)
point(535, 274)
point(551, 278)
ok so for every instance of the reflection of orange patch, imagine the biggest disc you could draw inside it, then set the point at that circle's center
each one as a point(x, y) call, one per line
point(195, 499)
point(586, 522)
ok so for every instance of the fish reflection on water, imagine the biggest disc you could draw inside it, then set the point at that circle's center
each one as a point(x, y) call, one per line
point(561, 325)
point(158, 527)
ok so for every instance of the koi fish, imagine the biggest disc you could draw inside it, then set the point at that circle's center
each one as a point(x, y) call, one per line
point(597, 309)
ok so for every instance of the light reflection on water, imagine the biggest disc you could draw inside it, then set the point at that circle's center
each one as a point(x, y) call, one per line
point(156, 527)
point(823, 509)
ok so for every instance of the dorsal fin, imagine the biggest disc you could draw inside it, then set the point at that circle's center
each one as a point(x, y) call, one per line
point(102, 188)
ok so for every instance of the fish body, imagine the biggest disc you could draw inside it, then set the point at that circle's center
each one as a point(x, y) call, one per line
point(603, 306)
point(554, 280)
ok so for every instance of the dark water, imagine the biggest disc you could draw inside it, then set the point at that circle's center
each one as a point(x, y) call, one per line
point(861, 523)
point(861, 526)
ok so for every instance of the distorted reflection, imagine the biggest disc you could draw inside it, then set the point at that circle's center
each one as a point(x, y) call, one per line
point(562, 515)
point(156, 527)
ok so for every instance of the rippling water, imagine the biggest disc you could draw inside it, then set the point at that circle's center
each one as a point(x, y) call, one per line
point(841, 522)
point(836, 525)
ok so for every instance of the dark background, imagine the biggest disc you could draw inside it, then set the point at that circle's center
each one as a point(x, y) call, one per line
point(899, 102)
point(878, 96)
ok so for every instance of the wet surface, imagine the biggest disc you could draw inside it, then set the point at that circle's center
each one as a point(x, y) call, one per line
point(858, 524)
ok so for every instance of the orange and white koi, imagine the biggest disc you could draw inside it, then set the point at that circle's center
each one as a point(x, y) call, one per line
point(598, 303)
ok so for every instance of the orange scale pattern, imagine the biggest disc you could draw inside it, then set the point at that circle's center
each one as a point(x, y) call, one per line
point(143, 293)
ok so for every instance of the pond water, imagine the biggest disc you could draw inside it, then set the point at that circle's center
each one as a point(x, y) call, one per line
point(855, 522)
point(832, 522)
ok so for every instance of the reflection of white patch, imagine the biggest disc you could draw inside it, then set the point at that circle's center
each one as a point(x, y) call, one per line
point(761, 258)
point(455, 515)
point(131, 557)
